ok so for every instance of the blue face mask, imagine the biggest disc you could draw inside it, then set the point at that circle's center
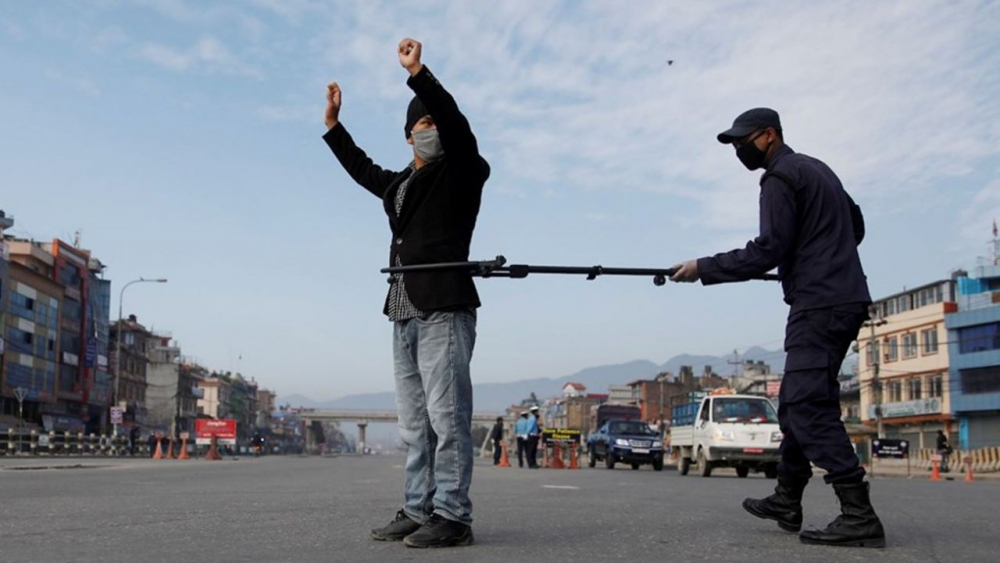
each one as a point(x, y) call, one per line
point(427, 145)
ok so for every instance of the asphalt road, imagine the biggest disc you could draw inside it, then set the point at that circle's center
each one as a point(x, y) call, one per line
point(320, 509)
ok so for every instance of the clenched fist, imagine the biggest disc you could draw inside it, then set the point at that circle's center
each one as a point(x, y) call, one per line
point(332, 116)
point(409, 55)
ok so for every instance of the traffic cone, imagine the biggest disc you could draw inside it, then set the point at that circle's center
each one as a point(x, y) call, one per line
point(184, 450)
point(170, 452)
point(504, 459)
point(556, 462)
point(574, 461)
point(936, 470)
point(158, 454)
point(213, 450)
point(968, 470)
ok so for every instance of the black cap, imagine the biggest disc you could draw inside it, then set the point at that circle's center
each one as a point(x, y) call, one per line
point(414, 112)
point(748, 122)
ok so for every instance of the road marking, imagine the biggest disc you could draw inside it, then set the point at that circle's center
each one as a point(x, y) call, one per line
point(567, 487)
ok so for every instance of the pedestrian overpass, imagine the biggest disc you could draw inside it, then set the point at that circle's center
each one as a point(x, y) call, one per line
point(363, 417)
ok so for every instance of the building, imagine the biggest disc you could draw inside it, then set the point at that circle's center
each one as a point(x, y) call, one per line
point(133, 367)
point(621, 395)
point(228, 395)
point(653, 396)
point(32, 303)
point(172, 391)
point(265, 407)
point(974, 348)
point(574, 390)
point(904, 363)
point(63, 322)
point(216, 390)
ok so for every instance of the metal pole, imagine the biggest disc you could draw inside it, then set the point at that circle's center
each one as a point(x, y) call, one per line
point(118, 338)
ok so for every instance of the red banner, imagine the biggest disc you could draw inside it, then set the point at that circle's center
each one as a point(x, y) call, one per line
point(225, 429)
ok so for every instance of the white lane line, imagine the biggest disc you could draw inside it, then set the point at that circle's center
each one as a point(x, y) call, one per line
point(567, 487)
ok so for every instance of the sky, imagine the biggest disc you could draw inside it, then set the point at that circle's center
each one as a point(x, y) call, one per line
point(182, 139)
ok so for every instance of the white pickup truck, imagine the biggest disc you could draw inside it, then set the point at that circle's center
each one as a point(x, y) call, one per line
point(738, 431)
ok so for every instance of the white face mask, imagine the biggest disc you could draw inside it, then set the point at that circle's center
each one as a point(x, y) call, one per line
point(427, 145)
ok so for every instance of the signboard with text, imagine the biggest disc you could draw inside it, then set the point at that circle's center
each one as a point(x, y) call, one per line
point(561, 436)
point(891, 449)
point(224, 429)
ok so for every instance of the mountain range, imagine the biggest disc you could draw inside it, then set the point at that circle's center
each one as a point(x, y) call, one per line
point(495, 397)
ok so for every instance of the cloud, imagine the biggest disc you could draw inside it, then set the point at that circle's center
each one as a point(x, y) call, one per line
point(207, 54)
point(979, 215)
point(311, 114)
point(84, 84)
point(895, 96)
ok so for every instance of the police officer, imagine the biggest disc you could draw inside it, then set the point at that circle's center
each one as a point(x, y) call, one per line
point(809, 229)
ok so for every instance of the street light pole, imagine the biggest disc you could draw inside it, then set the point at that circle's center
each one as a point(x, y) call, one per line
point(118, 338)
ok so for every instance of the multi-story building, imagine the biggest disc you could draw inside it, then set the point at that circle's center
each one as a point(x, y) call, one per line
point(68, 334)
point(653, 396)
point(974, 346)
point(216, 390)
point(265, 407)
point(243, 406)
point(905, 345)
point(31, 337)
point(133, 368)
point(621, 395)
point(172, 393)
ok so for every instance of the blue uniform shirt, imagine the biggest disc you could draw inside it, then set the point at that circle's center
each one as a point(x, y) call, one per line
point(810, 229)
point(521, 427)
point(532, 425)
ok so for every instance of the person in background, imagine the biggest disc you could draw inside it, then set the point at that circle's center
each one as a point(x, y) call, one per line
point(943, 450)
point(521, 431)
point(133, 440)
point(496, 435)
point(534, 432)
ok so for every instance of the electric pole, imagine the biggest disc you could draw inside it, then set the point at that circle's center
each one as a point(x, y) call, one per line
point(875, 352)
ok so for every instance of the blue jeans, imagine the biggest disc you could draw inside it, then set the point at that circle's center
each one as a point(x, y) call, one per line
point(434, 403)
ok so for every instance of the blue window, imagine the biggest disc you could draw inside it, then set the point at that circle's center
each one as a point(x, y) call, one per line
point(18, 376)
point(20, 341)
point(22, 306)
point(980, 380)
point(979, 338)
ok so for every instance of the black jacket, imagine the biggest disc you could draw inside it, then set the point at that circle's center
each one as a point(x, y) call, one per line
point(441, 205)
point(810, 229)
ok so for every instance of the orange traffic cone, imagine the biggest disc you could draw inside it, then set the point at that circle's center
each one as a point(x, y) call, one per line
point(556, 462)
point(170, 452)
point(184, 450)
point(213, 450)
point(574, 461)
point(935, 470)
point(504, 458)
point(968, 470)
point(159, 453)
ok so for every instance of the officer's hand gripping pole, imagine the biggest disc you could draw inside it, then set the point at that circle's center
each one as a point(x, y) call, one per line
point(498, 268)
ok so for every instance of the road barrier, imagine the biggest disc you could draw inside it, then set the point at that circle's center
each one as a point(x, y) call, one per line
point(32, 443)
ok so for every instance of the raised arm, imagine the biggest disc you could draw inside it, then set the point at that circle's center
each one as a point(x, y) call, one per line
point(456, 135)
point(369, 175)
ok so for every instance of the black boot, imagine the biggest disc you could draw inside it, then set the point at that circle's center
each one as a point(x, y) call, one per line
point(784, 506)
point(440, 532)
point(396, 530)
point(857, 525)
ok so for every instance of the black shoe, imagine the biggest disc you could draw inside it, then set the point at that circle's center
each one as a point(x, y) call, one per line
point(396, 530)
point(857, 525)
point(440, 532)
point(784, 506)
